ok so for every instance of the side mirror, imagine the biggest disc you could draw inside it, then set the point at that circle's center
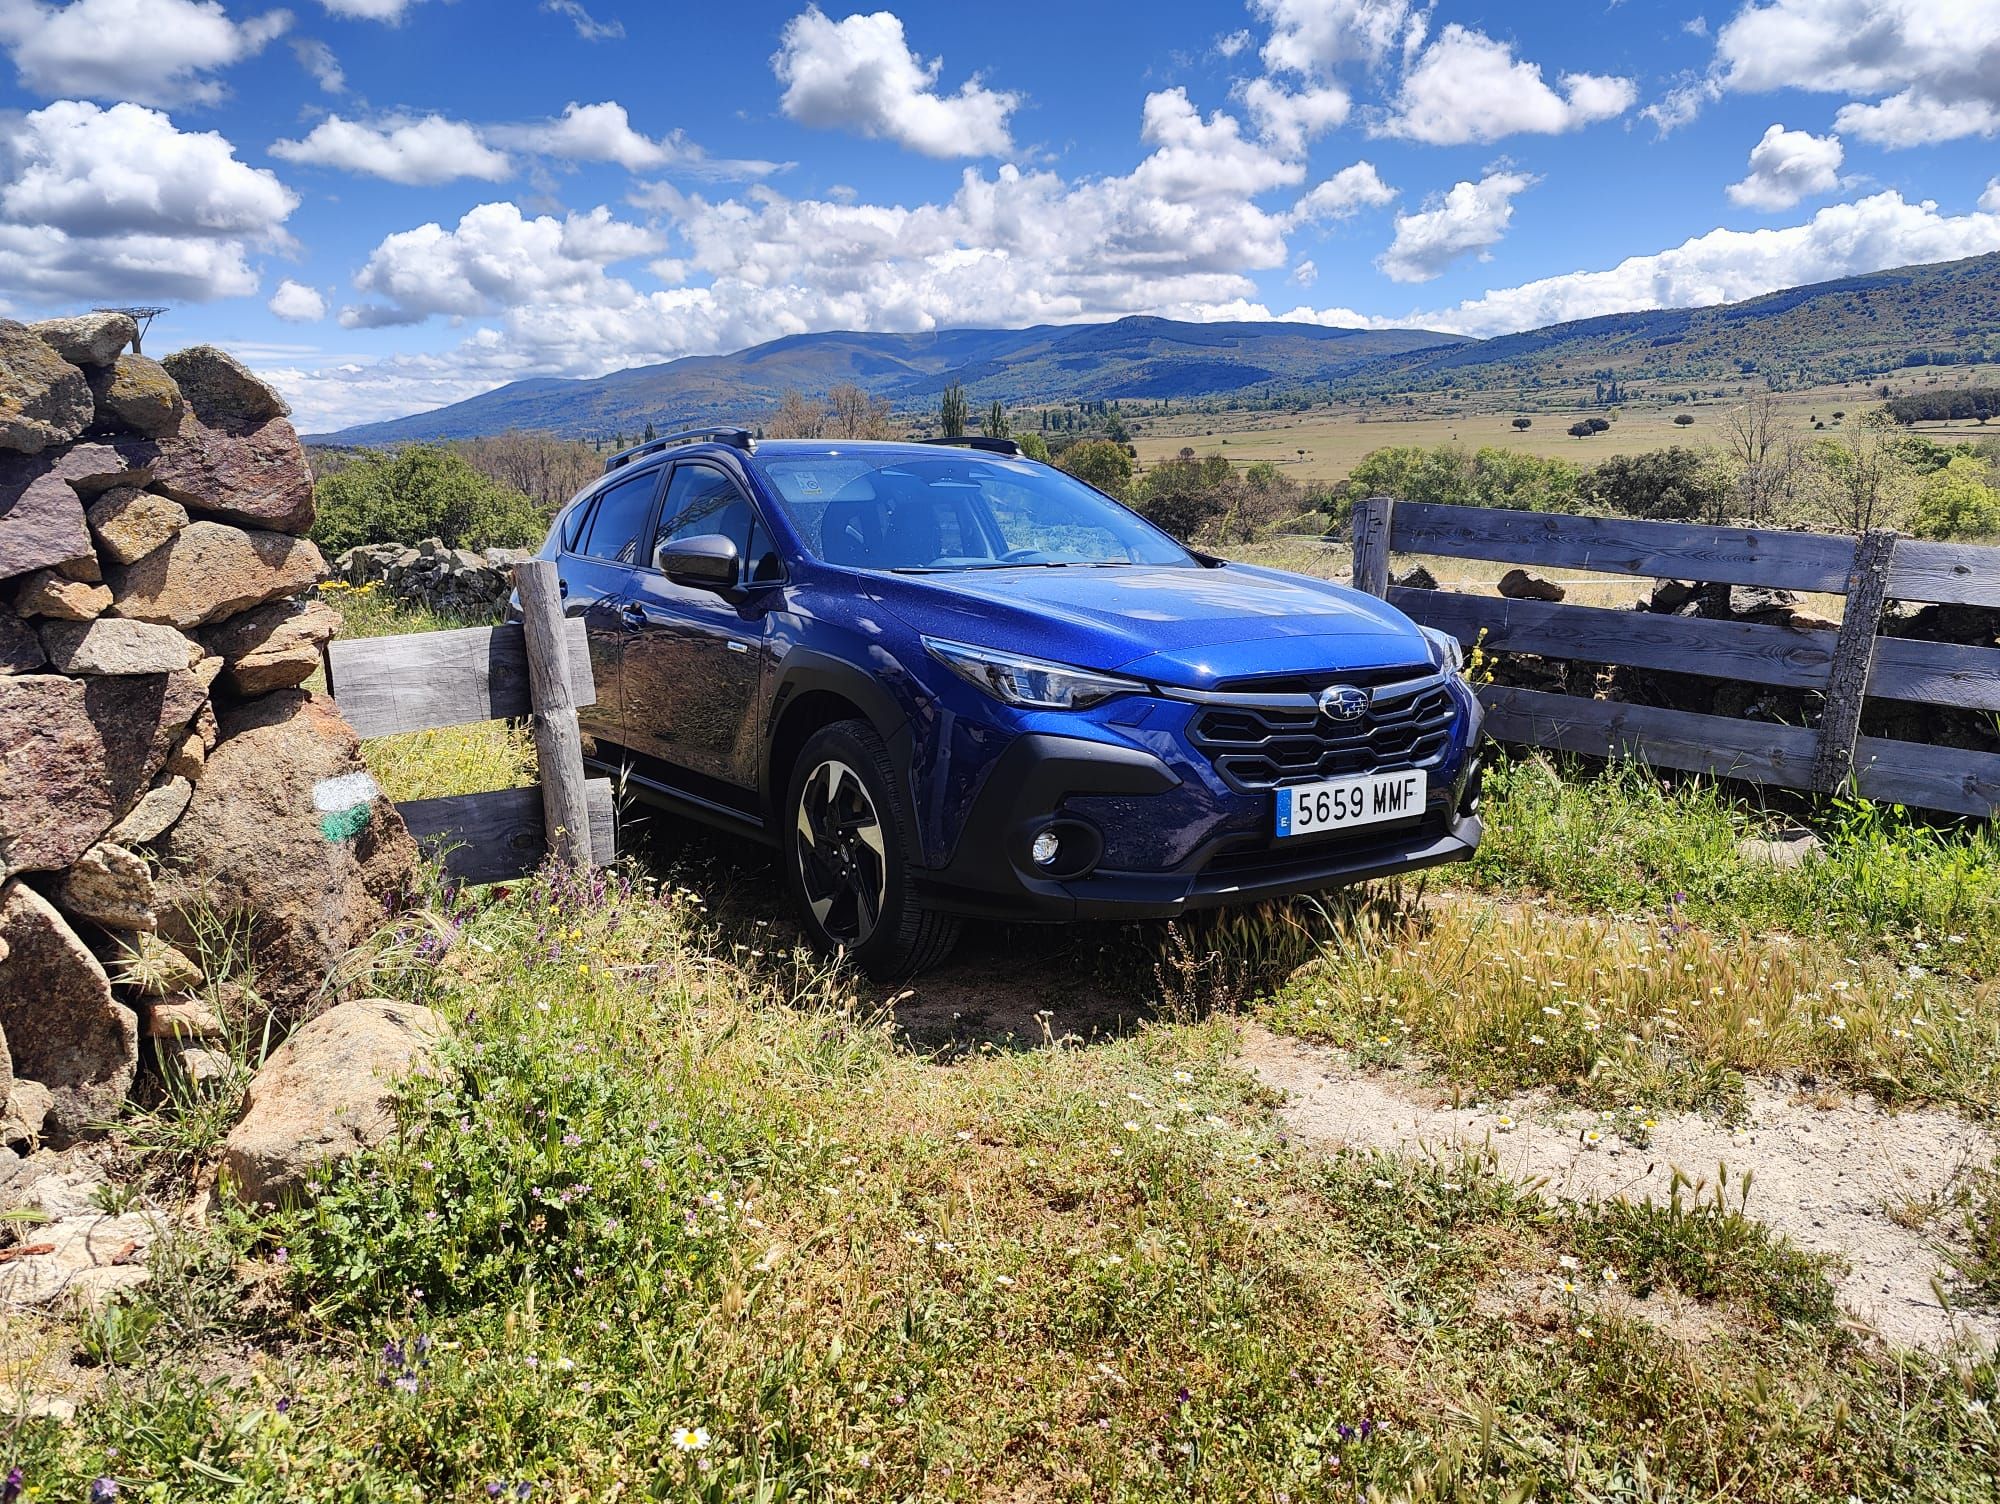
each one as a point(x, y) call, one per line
point(708, 561)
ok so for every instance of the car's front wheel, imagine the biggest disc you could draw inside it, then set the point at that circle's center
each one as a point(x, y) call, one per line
point(844, 832)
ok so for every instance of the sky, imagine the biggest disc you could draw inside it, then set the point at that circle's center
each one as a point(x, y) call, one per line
point(388, 205)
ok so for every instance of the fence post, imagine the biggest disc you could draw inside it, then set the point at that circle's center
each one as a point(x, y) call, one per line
point(1373, 517)
point(558, 743)
point(1853, 659)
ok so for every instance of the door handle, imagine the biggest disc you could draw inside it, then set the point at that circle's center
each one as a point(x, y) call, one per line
point(562, 588)
point(738, 647)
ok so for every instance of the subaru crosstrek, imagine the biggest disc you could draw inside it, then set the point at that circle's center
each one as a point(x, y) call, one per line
point(949, 682)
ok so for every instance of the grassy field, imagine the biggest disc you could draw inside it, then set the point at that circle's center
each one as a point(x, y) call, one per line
point(682, 1213)
point(1334, 439)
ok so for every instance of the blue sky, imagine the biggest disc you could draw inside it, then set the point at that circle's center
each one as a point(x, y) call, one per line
point(390, 204)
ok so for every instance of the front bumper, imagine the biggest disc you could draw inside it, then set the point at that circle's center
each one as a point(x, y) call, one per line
point(1149, 830)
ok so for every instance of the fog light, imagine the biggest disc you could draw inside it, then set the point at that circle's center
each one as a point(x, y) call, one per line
point(1046, 849)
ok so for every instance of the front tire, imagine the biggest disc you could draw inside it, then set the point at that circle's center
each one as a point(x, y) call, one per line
point(845, 827)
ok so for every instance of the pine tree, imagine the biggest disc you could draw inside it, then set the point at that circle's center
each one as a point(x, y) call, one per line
point(995, 422)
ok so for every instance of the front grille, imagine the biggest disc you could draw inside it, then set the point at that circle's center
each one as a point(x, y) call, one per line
point(1257, 747)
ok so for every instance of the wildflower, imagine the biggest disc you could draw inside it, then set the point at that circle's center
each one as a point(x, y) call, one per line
point(691, 1438)
point(1005, 1281)
point(572, 1140)
point(103, 1490)
point(1836, 1023)
point(1592, 1138)
point(11, 1489)
point(963, 1136)
point(1504, 1123)
point(1185, 1078)
point(1566, 1261)
point(1536, 1039)
point(1131, 1125)
point(1610, 1275)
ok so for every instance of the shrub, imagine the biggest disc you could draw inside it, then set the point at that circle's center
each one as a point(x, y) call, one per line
point(1099, 463)
point(1490, 477)
point(425, 491)
point(1673, 485)
point(1957, 502)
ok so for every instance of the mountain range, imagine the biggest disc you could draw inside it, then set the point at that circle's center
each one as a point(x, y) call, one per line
point(1826, 331)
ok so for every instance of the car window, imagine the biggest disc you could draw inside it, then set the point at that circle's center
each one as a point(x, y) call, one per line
point(704, 501)
point(620, 517)
point(574, 525)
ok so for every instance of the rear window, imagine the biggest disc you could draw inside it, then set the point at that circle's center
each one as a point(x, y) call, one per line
point(619, 518)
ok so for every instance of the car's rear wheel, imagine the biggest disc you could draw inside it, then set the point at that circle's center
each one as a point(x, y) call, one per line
point(844, 830)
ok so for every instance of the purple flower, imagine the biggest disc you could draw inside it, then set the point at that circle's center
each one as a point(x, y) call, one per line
point(495, 1489)
point(572, 1139)
point(11, 1489)
point(103, 1490)
point(284, 1406)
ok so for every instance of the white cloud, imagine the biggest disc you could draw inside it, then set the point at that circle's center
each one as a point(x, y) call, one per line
point(1470, 217)
point(860, 75)
point(1343, 195)
point(1932, 68)
point(492, 261)
point(296, 303)
point(145, 51)
point(1231, 44)
point(399, 149)
point(1467, 87)
point(604, 133)
point(1196, 157)
point(369, 10)
point(1726, 266)
point(1315, 37)
point(1289, 120)
point(587, 26)
point(1681, 104)
point(317, 59)
point(1305, 273)
point(1786, 166)
point(1990, 199)
point(1695, 26)
point(105, 203)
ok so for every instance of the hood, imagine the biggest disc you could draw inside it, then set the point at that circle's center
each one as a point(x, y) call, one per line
point(1184, 627)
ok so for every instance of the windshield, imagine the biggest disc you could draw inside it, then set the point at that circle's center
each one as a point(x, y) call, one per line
point(957, 511)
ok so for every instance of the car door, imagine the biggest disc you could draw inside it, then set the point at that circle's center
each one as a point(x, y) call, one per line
point(600, 550)
point(694, 659)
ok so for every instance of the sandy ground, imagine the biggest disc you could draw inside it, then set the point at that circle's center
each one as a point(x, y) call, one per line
point(1846, 1179)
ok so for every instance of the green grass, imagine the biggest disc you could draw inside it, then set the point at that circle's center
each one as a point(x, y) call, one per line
point(648, 1197)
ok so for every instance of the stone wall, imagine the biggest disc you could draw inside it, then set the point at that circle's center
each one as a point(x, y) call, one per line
point(464, 582)
point(172, 801)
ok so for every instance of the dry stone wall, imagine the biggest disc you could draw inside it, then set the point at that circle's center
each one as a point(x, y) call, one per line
point(170, 794)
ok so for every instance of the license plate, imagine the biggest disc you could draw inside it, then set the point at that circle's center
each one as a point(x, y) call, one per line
point(1310, 809)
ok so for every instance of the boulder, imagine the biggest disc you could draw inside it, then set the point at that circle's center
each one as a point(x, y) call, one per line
point(199, 1066)
point(1418, 578)
point(76, 754)
point(47, 593)
point(44, 399)
point(88, 339)
point(42, 496)
point(209, 571)
point(250, 471)
point(1519, 585)
point(184, 1018)
point(217, 385)
point(63, 1026)
point(129, 523)
point(112, 645)
point(82, 567)
point(110, 886)
point(23, 1113)
point(1669, 596)
point(274, 646)
point(20, 646)
point(253, 848)
point(326, 1093)
point(1761, 603)
point(149, 818)
point(135, 393)
point(186, 760)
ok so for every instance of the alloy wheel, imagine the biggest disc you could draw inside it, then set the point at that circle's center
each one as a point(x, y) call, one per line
point(843, 857)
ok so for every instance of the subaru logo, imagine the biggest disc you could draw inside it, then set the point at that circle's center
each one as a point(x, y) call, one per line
point(1343, 702)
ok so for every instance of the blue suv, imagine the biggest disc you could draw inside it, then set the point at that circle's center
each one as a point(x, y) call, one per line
point(949, 682)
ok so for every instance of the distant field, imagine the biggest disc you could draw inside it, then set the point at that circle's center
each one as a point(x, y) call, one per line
point(1333, 440)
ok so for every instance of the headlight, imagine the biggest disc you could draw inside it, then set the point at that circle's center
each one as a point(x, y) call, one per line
point(1031, 683)
point(1450, 656)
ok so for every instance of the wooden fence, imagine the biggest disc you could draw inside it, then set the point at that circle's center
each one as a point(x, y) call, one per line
point(1847, 665)
point(536, 669)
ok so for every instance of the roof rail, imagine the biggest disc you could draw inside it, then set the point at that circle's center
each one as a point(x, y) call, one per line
point(979, 441)
point(735, 438)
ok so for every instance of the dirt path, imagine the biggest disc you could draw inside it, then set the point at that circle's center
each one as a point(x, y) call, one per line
point(1829, 1178)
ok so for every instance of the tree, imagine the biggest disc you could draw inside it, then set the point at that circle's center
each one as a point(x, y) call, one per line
point(856, 415)
point(546, 469)
point(995, 422)
point(1671, 485)
point(1764, 456)
point(425, 491)
point(649, 435)
point(1522, 425)
point(1683, 420)
point(1581, 430)
point(1099, 463)
point(1957, 502)
point(1033, 446)
point(798, 417)
point(952, 412)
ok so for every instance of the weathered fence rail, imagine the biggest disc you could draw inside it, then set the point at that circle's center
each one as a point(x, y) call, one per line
point(536, 669)
point(1846, 666)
